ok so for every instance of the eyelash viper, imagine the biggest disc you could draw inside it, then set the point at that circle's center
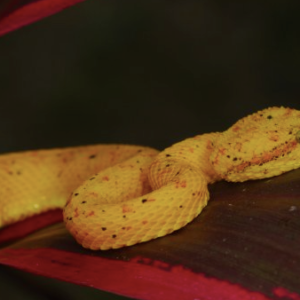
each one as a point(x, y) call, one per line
point(120, 195)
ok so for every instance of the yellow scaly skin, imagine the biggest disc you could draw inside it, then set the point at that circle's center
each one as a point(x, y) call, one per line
point(36, 181)
point(133, 195)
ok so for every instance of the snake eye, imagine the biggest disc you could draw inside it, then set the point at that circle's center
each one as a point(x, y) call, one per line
point(298, 136)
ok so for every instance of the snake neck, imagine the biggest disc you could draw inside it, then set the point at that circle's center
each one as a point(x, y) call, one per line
point(191, 153)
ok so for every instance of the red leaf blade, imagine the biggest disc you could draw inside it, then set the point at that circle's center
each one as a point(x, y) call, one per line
point(25, 227)
point(19, 15)
point(136, 278)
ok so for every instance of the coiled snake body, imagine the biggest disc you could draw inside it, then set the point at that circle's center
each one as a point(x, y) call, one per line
point(119, 195)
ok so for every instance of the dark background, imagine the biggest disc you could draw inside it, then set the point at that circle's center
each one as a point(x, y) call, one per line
point(150, 73)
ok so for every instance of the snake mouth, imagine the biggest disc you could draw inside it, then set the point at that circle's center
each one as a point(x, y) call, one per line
point(281, 151)
point(263, 165)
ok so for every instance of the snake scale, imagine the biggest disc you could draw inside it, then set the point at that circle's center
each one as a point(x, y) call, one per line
point(120, 195)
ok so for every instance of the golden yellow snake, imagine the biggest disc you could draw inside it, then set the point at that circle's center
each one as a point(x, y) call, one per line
point(118, 195)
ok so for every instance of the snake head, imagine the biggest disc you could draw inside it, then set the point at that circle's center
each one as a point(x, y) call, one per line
point(261, 145)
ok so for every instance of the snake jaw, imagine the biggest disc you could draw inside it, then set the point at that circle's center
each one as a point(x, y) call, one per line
point(258, 146)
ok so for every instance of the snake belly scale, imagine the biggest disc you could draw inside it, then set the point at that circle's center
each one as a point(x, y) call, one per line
point(120, 195)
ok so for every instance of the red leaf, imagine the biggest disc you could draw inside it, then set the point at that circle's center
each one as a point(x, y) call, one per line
point(140, 278)
point(20, 13)
point(25, 227)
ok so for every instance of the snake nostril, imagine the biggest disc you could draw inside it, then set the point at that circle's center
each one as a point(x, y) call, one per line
point(298, 136)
